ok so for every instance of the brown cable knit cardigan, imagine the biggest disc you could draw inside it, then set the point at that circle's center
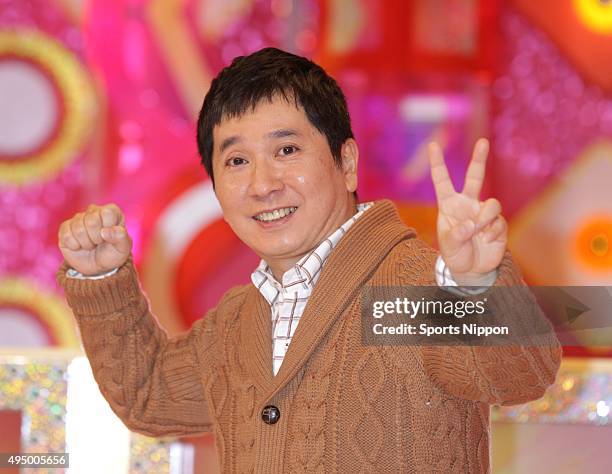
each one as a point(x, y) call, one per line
point(344, 407)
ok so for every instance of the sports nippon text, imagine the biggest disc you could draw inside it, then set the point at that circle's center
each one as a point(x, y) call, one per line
point(427, 317)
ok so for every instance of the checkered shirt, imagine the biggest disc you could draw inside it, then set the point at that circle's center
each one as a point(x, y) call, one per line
point(288, 300)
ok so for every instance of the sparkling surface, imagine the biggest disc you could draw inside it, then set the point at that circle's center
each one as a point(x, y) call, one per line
point(545, 114)
point(38, 386)
point(149, 455)
point(29, 224)
point(38, 389)
point(581, 394)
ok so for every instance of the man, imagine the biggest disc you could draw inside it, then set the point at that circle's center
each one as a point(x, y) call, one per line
point(278, 369)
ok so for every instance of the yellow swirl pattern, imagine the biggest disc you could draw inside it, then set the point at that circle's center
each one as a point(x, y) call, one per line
point(48, 307)
point(78, 99)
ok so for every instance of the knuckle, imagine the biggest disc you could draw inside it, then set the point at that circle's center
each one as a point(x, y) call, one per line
point(77, 219)
point(78, 230)
point(111, 210)
point(116, 214)
point(80, 233)
point(92, 219)
point(112, 206)
point(65, 237)
point(62, 229)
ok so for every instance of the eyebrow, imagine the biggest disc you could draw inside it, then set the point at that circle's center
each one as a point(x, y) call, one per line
point(228, 142)
point(284, 132)
point(281, 133)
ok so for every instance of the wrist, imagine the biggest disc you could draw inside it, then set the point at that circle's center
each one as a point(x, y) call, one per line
point(475, 279)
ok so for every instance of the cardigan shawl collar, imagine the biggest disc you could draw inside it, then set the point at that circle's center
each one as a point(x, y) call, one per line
point(349, 266)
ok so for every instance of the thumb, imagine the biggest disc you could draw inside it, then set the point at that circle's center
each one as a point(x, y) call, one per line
point(118, 237)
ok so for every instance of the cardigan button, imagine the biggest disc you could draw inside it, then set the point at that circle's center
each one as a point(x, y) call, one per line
point(270, 414)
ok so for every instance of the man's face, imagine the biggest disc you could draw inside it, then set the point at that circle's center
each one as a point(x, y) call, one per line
point(278, 184)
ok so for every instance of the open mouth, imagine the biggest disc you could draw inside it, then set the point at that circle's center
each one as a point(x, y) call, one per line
point(275, 215)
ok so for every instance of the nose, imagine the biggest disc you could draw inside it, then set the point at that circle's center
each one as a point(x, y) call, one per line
point(264, 179)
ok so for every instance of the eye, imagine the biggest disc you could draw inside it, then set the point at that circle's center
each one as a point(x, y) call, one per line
point(288, 150)
point(235, 161)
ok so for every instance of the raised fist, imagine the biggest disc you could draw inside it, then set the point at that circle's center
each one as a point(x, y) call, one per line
point(95, 241)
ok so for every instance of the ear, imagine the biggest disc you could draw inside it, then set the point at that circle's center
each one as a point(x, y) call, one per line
point(350, 158)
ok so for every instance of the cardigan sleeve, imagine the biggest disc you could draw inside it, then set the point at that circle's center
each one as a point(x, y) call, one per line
point(154, 383)
point(503, 374)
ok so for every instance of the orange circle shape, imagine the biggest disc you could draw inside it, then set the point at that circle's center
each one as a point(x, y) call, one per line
point(593, 243)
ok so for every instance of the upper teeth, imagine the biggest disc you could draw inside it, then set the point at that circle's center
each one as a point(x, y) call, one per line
point(276, 214)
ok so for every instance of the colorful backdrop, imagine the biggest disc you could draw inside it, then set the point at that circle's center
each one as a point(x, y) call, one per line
point(98, 101)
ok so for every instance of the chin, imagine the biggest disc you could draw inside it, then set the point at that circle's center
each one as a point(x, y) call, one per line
point(276, 251)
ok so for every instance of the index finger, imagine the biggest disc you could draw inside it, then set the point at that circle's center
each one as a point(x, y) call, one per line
point(439, 173)
point(111, 215)
point(475, 175)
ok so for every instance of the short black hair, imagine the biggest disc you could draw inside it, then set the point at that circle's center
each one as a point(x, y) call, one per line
point(265, 75)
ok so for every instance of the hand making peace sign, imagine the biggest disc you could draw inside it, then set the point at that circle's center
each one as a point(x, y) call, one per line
point(472, 234)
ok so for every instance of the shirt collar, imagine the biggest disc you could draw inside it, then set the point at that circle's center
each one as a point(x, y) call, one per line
point(302, 277)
